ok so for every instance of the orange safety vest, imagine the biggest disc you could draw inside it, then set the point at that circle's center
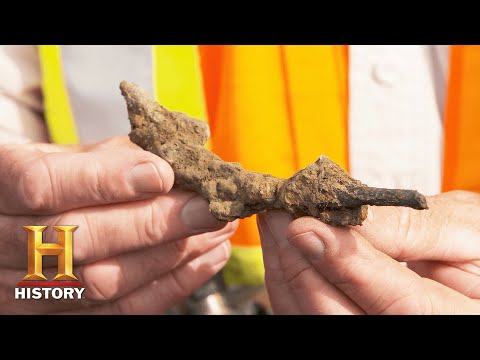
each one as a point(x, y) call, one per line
point(275, 109)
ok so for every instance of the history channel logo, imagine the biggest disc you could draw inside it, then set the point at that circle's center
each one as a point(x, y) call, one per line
point(64, 285)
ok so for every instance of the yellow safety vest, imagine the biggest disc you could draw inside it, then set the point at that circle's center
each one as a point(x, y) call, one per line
point(275, 109)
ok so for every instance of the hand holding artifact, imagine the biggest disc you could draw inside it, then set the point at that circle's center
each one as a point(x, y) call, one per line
point(322, 190)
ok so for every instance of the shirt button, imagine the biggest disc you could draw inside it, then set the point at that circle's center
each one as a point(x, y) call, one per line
point(385, 74)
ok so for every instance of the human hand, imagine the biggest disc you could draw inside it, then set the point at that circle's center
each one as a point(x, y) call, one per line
point(139, 247)
point(313, 268)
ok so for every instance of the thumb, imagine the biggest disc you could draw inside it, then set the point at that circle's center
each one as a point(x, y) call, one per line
point(34, 182)
point(371, 279)
point(449, 230)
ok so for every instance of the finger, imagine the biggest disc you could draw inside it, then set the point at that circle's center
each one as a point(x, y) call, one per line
point(449, 230)
point(111, 230)
point(373, 280)
point(281, 297)
point(112, 278)
point(465, 280)
point(33, 182)
point(167, 290)
point(293, 285)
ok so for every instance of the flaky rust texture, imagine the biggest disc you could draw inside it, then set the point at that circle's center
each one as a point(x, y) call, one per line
point(322, 190)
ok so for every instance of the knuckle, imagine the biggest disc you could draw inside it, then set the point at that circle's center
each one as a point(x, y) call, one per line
point(103, 181)
point(84, 235)
point(347, 282)
point(99, 184)
point(177, 287)
point(346, 273)
point(36, 186)
point(293, 280)
point(292, 269)
point(414, 300)
point(409, 305)
point(103, 281)
point(152, 230)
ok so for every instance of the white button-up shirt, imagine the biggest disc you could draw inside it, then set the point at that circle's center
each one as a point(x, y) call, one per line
point(396, 102)
point(396, 105)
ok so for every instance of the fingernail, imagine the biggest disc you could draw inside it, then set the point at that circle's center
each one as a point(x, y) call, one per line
point(195, 214)
point(145, 178)
point(277, 223)
point(309, 244)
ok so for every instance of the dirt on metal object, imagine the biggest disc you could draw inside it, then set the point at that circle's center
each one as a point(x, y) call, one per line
point(322, 190)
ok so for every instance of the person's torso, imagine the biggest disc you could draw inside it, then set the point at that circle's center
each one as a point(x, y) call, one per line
point(396, 100)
